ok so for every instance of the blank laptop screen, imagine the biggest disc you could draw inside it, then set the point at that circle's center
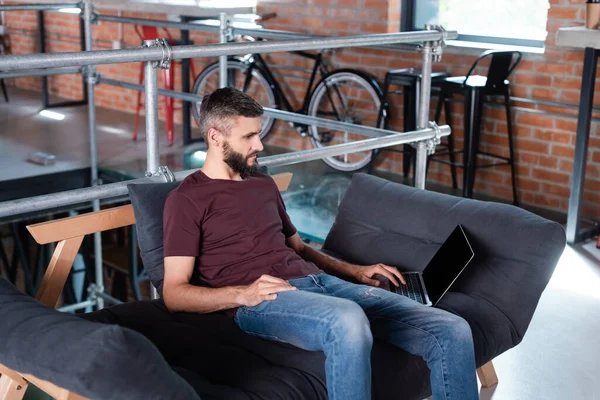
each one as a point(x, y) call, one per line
point(452, 257)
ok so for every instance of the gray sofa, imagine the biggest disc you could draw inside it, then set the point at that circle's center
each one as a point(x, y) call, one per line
point(378, 221)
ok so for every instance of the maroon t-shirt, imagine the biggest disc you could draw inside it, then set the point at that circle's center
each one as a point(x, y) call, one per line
point(236, 229)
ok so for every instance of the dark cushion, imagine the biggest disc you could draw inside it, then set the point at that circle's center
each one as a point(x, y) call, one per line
point(98, 361)
point(224, 362)
point(148, 202)
point(515, 251)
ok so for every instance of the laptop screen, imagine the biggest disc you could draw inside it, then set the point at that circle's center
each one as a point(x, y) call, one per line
point(445, 266)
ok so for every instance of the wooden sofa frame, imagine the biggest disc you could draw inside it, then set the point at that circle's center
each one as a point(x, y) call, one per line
point(69, 233)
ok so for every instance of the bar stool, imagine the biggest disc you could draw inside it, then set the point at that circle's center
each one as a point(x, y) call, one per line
point(474, 88)
point(410, 80)
point(3, 46)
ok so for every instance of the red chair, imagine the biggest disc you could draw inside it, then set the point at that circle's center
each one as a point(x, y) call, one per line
point(151, 33)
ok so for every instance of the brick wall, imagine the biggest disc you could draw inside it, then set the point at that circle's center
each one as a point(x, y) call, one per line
point(544, 143)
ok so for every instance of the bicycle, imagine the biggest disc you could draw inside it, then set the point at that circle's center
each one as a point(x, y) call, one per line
point(347, 95)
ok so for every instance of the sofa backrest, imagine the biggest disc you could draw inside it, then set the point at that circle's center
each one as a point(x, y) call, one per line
point(515, 250)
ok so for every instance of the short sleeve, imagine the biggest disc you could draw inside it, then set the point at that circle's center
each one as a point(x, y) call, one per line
point(288, 228)
point(181, 226)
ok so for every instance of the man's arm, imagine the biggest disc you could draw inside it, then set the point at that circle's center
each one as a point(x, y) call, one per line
point(180, 295)
point(333, 266)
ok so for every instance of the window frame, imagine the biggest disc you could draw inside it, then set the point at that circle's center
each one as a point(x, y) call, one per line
point(407, 24)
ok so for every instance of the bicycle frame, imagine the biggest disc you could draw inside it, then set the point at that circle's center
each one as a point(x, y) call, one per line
point(319, 66)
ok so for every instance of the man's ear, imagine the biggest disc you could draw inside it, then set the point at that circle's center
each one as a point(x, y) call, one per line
point(215, 138)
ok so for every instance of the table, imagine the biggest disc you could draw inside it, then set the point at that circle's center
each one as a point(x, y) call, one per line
point(589, 39)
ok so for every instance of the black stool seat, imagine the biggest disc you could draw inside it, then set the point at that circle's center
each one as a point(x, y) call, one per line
point(474, 88)
point(410, 80)
point(411, 77)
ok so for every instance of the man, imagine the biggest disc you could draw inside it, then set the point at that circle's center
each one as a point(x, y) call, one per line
point(228, 224)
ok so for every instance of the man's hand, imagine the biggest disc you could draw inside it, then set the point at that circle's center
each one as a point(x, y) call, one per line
point(365, 274)
point(264, 288)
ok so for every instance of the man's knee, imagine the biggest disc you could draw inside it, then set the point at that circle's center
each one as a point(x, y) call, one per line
point(351, 325)
point(460, 330)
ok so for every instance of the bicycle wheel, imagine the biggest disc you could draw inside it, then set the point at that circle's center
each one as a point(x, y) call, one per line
point(344, 96)
point(257, 87)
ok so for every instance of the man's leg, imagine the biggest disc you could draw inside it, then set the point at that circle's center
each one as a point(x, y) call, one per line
point(312, 321)
point(443, 339)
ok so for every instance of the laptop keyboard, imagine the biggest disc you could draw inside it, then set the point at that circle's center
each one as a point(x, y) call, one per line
point(411, 289)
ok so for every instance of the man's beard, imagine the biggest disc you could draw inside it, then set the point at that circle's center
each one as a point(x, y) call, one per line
point(237, 162)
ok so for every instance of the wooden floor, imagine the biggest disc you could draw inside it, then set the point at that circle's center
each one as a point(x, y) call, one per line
point(23, 130)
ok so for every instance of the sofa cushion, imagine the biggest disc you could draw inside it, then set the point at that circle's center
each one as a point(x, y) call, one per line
point(515, 250)
point(148, 202)
point(234, 365)
point(95, 360)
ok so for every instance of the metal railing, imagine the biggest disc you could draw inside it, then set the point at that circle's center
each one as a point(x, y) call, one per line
point(158, 53)
point(39, 7)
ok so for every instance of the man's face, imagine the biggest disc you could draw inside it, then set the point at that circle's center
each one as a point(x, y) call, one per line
point(242, 145)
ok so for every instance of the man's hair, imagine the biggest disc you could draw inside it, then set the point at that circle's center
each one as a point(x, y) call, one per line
point(220, 108)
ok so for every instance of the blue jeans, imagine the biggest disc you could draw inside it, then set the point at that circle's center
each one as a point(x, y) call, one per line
point(340, 318)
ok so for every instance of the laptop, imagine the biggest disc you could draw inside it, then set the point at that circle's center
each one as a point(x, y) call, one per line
point(429, 286)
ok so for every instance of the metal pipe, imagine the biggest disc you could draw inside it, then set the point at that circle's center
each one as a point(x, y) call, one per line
point(271, 112)
point(421, 165)
point(91, 94)
point(49, 201)
point(258, 32)
point(423, 114)
point(152, 150)
point(40, 72)
point(103, 296)
point(352, 147)
point(151, 104)
point(67, 59)
point(223, 59)
point(158, 23)
point(77, 306)
point(425, 95)
point(39, 7)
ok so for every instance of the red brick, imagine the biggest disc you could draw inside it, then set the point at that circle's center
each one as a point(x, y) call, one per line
point(554, 69)
point(561, 82)
point(541, 121)
point(550, 176)
point(557, 190)
point(563, 151)
point(573, 55)
point(562, 13)
point(569, 125)
point(525, 184)
point(550, 136)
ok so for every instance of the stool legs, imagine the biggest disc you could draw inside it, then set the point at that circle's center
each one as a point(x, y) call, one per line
point(4, 90)
point(444, 101)
point(410, 124)
point(510, 145)
point(473, 110)
point(450, 139)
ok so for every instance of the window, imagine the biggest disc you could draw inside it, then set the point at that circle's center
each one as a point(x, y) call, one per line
point(512, 22)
